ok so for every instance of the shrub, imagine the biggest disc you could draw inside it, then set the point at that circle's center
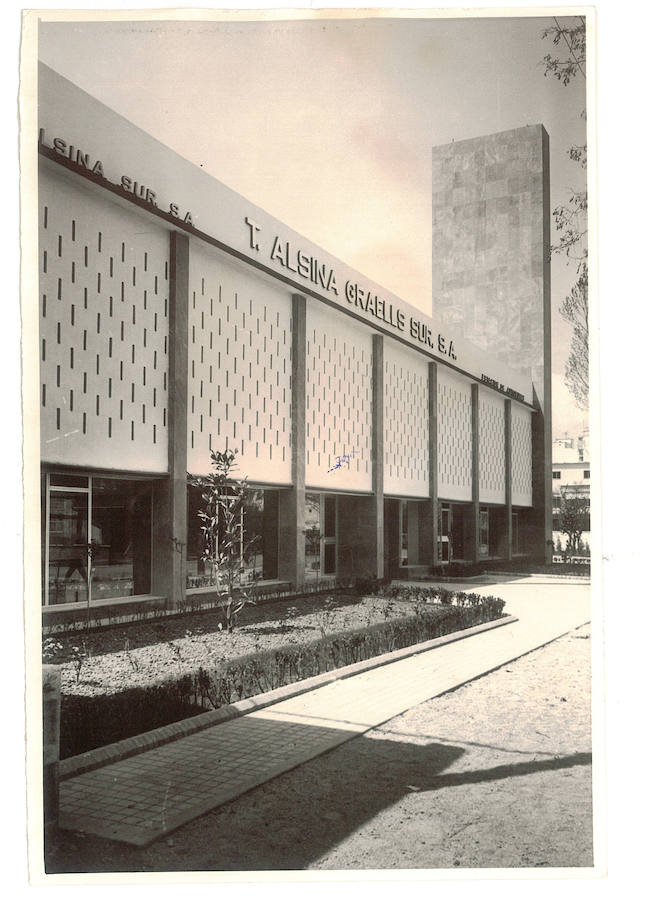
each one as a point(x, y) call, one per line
point(89, 722)
point(367, 585)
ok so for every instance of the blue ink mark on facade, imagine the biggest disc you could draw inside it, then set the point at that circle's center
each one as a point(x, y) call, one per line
point(343, 460)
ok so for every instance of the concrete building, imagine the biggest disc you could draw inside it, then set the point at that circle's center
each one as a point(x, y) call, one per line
point(177, 318)
point(491, 267)
point(571, 477)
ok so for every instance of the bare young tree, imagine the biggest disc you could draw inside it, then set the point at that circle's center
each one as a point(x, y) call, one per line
point(226, 549)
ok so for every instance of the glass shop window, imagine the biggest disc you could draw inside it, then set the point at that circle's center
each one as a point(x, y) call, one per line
point(403, 532)
point(320, 535)
point(483, 533)
point(444, 539)
point(97, 541)
point(259, 538)
point(330, 534)
point(313, 536)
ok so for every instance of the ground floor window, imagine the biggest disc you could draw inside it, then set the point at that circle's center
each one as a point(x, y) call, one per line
point(483, 533)
point(515, 532)
point(259, 545)
point(96, 537)
point(444, 539)
point(403, 532)
point(321, 535)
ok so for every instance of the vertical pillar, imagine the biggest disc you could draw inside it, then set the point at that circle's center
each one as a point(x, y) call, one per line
point(433, 461)
point(508, 484)
point(51, 680)
point(360, 518)
point(170, 494)
point(475, 473)
point(377, 447)
point(292, 547)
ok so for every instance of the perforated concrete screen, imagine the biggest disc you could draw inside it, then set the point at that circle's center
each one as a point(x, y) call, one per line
point(103, 331)
point(338, 401)
point(491, 447)
point(239, 368)
point(521, 456)
point(454, 443)
point(405, 422)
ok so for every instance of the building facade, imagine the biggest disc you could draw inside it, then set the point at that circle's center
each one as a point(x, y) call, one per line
point(176, 319)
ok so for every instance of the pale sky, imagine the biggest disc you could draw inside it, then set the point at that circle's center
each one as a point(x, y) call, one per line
point(328, 125)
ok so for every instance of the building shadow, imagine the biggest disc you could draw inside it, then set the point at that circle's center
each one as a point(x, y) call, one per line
point(293, 819)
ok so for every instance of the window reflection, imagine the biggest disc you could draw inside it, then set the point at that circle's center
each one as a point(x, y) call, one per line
point(259, 538)
point(313, 536)
point(98, 541)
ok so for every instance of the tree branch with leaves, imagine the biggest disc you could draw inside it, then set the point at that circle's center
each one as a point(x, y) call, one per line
point(571, 219)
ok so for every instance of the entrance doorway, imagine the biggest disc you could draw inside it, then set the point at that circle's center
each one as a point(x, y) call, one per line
point(321, 533)
point(403, 526)
point(451, 533)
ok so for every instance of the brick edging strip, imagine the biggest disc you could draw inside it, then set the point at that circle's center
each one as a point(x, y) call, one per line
point(149, 740)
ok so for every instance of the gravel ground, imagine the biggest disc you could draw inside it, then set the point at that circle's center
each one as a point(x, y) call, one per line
point(494, 774)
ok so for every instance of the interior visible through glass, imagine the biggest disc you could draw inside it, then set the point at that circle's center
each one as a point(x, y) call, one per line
point(313, 536)
point(259, 538)
point(98, 538)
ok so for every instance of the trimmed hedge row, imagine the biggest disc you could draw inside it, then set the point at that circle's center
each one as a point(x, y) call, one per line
point(90, 722)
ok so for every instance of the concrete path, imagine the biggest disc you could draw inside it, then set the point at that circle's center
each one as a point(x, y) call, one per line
point(141, 798)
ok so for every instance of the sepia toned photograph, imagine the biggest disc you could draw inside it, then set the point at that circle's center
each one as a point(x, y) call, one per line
point(312, 488)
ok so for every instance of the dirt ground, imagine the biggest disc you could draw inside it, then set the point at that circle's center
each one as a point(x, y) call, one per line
point(117, 659)
point(494, 774)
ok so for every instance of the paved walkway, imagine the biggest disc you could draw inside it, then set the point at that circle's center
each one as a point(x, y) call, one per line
point(141, 798)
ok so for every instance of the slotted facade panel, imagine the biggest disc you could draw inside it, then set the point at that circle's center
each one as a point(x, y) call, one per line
point(521, 456)
point(454, 443)
point(405, 422)
point(491, 448)
point(239, 368)
point(338, 402)
point(103, 304)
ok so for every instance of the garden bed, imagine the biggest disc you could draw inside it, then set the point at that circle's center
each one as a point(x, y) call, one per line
point(193, 636)
point(168, 671)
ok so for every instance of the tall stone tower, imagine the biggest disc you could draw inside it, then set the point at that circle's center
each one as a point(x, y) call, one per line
point(491, 269)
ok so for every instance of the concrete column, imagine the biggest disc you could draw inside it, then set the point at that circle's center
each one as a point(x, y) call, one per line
point(51, 681)
point(360, 518)
point(508, 484)
point(377, 447)
point(474, 531)
point(170, 494)
point(433, 462)
point(540, 520)
point(357, 536)
point(292, 547)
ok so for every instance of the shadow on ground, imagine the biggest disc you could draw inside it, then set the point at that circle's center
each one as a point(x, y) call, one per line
point(291, 822)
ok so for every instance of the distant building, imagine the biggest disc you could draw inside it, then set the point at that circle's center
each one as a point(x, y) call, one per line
point(571, 477)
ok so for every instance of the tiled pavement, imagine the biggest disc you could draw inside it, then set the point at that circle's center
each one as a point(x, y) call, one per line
point(141, 798)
